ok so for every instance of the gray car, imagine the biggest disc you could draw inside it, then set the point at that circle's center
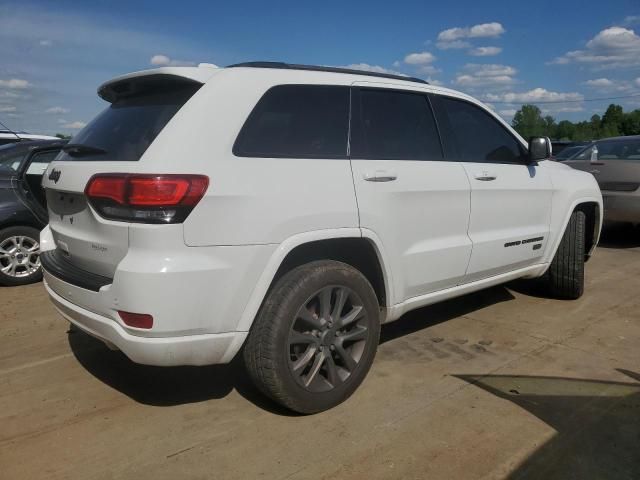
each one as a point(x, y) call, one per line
point(615, 163)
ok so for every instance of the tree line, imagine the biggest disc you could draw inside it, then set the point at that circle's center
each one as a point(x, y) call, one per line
point(529, 122)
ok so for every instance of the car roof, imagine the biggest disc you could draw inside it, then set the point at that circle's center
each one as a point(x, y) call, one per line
point(33, 144)
point(320, 68)
point(334, 75)
point(620, 139)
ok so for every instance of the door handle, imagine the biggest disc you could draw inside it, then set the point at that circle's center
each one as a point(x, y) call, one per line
point(594, 171)
point(485, 176)
point(380, 176)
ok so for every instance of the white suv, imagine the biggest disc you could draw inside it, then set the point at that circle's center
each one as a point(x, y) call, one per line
point(291, 210)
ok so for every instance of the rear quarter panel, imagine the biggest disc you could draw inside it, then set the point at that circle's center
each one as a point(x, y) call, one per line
point(249, 200)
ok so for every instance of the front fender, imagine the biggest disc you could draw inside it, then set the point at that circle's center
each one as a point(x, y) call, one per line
point(571, 188)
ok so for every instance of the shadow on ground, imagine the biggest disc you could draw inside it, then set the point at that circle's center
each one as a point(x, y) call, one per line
point(166, 386)
point(620, 235)
point(597, 424)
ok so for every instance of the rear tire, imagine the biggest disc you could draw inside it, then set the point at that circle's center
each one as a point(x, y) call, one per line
point(315, 337)
point(19, 256)
point(566, 274)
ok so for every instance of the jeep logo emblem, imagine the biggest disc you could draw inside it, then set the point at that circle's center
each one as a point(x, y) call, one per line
point(54, 175)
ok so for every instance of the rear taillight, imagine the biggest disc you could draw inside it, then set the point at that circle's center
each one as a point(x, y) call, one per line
point(136, 320)
point(145, 198)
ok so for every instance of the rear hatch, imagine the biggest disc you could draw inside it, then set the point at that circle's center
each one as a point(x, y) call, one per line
point(114, 142)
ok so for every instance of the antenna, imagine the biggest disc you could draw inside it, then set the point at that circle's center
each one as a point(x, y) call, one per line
point(11, 131)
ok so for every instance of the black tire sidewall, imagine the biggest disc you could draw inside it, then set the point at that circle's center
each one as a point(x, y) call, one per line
point(300, 284)
point(26, 231)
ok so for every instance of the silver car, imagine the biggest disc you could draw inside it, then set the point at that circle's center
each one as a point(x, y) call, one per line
point(615, 163)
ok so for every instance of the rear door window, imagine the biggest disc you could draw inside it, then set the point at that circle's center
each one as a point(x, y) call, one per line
point(393, 125)
point(125, 129)
point(297, 121)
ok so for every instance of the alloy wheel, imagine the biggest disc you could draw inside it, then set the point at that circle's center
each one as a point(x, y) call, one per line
point(19, 256)
point(327, 338)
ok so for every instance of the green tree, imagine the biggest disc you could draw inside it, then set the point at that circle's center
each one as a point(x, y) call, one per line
point(631, 123)
point(528, 121)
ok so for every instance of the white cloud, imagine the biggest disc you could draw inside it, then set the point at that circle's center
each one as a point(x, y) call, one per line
point(456, 44)
point(637, 81)
point(476, 75)
point(165, 61)
point(534, 96)
point(421, 58)
point(607, 85)
point(599, 83)
point(453, 37)
point(631, 20)
point(16, 83)
point(77, 125)
point(7, 108)
point(45, 43)
point(483, 30)
point(57, 110)
point(433, 81)
point(485, 51)
point(371, 68)
point(613, 47)
point(510, 112)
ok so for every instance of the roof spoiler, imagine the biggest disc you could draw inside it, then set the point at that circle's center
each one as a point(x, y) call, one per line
point(154, 79)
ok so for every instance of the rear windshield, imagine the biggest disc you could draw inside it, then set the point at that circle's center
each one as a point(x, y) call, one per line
point(124, 130)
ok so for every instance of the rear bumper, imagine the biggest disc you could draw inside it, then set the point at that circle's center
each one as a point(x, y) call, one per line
point(205, 349)
point(196, 296)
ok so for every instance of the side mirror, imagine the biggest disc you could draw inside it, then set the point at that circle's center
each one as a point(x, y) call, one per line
point(539, 148)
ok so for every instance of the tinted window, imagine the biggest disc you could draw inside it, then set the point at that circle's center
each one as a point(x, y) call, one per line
point(618, 150)
point(395, 125)
point(477, 136)
point(127, 127)
point(45, 157)
point(309, 121)
point(11, 156)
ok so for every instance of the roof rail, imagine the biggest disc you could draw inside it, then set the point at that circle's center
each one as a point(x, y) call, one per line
point(317, 68)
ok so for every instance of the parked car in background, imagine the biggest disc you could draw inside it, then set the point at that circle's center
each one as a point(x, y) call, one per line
point(7, 136)
point(615, 163)
point(569, 151)
point(290, 210)
point(23, 208)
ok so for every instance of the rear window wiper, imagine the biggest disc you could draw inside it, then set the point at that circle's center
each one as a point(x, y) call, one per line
point(78, 149)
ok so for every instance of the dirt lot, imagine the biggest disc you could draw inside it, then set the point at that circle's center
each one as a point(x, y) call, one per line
point(499, 384)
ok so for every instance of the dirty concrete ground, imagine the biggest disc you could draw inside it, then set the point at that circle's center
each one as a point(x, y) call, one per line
point(502, 383)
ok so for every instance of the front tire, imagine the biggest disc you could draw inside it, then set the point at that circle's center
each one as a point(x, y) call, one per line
point(19, 256)
point(566, 274)
point(315, 337)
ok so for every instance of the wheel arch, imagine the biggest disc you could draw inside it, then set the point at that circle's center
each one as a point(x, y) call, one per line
point(347, 245)
point(592, 207)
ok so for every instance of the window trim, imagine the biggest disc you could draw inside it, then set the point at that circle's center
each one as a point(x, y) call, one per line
point(356, 103)
point(236, 144)
point(449, 147)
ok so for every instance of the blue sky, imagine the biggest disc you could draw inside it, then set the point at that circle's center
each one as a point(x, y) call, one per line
point(53, 55)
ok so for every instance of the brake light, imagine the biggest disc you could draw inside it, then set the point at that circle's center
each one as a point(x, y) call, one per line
point(136, 320)
point(145, 198)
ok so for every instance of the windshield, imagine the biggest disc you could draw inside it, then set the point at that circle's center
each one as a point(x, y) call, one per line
point(569, 152)
point(125, 129)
